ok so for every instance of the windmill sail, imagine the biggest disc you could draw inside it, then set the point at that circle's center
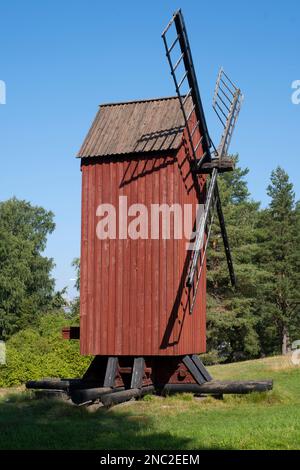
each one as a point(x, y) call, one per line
point(213, 203)
point(226, 103)
point(184, 62)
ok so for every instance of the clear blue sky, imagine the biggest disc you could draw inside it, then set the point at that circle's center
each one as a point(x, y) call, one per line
point(60, 59)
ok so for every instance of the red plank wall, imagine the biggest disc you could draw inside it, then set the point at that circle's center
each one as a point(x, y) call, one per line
point(133, 295)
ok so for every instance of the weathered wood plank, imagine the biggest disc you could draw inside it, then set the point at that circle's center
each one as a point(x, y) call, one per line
point(224, 165)
point(50, 384)
point(198, 363)
point(138, 372)
point(190, 365)
point(114, 398)
point(87, 395)
point(216, 387)
point(111, 370)
point(71, 332)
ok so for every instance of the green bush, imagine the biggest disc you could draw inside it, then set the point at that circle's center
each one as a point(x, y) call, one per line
point(32, 354)
point(212, 357)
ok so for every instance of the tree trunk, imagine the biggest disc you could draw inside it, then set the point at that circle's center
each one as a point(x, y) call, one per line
point(285, 341)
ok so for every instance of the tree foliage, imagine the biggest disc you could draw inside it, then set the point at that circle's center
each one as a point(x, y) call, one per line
point(231, 321)
point(39, 352)
point(254, 318)
point(280, 257)
point(26, 286)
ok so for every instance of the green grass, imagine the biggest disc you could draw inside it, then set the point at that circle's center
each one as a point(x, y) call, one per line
point(257, 421)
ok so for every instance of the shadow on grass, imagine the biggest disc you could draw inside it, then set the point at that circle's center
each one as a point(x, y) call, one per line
point(28, 423)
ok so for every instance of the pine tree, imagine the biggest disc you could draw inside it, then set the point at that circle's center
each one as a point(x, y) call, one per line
point(280, 258)
point(231, 313)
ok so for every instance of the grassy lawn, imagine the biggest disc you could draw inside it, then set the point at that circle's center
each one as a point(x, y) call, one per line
point(258, 421)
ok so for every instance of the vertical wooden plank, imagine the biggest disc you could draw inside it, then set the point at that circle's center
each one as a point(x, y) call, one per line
point(105, 250)
point(181, 325)
point(97, 262)
point(170, 247)
point(148, 291)
point(137, 372)
point(184, 317)
point(163, 259)
point(111, 370)
point(141, 267)
point(155, 272)
point(112, 182)
point(91, 257)
point(133, 273)
point(176, 271)
point(126, 247)
point(119, 272)
point(84, 262)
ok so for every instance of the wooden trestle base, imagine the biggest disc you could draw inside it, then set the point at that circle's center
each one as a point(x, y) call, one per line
point(113, 380)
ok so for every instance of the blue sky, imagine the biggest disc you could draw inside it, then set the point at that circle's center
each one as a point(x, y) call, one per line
point(60, 59)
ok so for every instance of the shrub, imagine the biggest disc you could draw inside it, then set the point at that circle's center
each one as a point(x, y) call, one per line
point(40, 352)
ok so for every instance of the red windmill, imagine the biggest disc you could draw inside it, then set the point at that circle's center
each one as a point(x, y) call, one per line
point(143, 298)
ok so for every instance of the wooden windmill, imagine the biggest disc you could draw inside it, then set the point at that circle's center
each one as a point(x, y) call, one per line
point(143, 298)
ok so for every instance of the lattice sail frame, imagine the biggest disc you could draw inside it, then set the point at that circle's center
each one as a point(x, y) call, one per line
point(227, 102)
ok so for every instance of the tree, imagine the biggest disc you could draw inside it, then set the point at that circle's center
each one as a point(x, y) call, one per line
point(76, 266)
point(280, 258)
point(26, 285)
point(75, 304)
point(231, 320)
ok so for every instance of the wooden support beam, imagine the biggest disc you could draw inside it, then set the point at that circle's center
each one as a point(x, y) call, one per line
point(220, 387)
point(137, 372)
point(53, 384)
point(224, 165)
point(111, 371)
point(194, 370)
point(88, 395)
point(114, 398)
point(71, 332)
point(199, 364)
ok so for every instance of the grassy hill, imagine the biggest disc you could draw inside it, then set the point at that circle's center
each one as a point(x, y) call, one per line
point(258, 421)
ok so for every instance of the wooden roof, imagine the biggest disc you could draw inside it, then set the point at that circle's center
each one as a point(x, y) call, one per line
point(135, 127)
